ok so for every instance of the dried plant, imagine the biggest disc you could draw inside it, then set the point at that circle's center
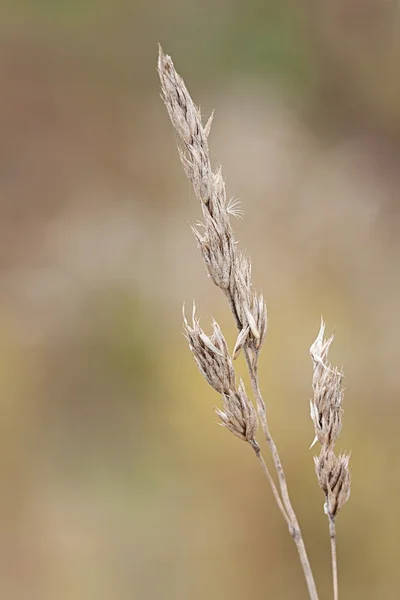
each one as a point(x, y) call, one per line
point(326, 413)
point(212, 357)
point(230, 270)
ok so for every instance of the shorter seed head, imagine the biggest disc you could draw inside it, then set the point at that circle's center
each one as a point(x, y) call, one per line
point(211, 355)
point(326, 407)
point(334, 479)
point(239, 415)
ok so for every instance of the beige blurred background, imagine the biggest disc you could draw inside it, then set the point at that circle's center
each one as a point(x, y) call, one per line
point(116, 483)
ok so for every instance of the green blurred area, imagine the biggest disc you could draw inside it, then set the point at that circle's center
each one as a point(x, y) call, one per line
point(117, 482)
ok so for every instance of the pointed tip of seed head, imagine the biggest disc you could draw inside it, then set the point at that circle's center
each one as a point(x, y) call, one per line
point(161, 58)
point(321, 332)
point(320, 347)
point(194, 312)
point(207, 128)
point(165, 66)
point(194, 320)
point(184, 316)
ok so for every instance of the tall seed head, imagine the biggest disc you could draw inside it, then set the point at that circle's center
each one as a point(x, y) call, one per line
point(227, 267)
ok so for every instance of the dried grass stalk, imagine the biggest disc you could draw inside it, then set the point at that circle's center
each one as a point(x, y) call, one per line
point(230, 269)
point(326, 413)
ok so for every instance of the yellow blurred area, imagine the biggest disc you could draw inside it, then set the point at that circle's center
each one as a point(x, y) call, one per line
point(116, 482)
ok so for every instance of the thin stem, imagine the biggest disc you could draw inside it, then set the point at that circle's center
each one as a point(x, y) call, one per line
point(293, 523)
point(257, 452)
point(332, 534)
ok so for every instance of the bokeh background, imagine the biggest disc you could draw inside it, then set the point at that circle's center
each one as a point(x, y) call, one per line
point(116, 483)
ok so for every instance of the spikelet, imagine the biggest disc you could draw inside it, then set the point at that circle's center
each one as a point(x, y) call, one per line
point(215, 364)
point(326, 413)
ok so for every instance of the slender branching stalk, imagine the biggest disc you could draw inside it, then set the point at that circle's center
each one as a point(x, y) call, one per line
point(294, 527)
point(254, 444)
point(326, 412)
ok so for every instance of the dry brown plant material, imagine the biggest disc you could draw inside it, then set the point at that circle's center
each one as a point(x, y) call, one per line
point(230, 270)
point(215, 364)
point(326, 413)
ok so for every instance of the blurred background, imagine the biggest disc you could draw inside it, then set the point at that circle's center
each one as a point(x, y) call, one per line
point(116, 483)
